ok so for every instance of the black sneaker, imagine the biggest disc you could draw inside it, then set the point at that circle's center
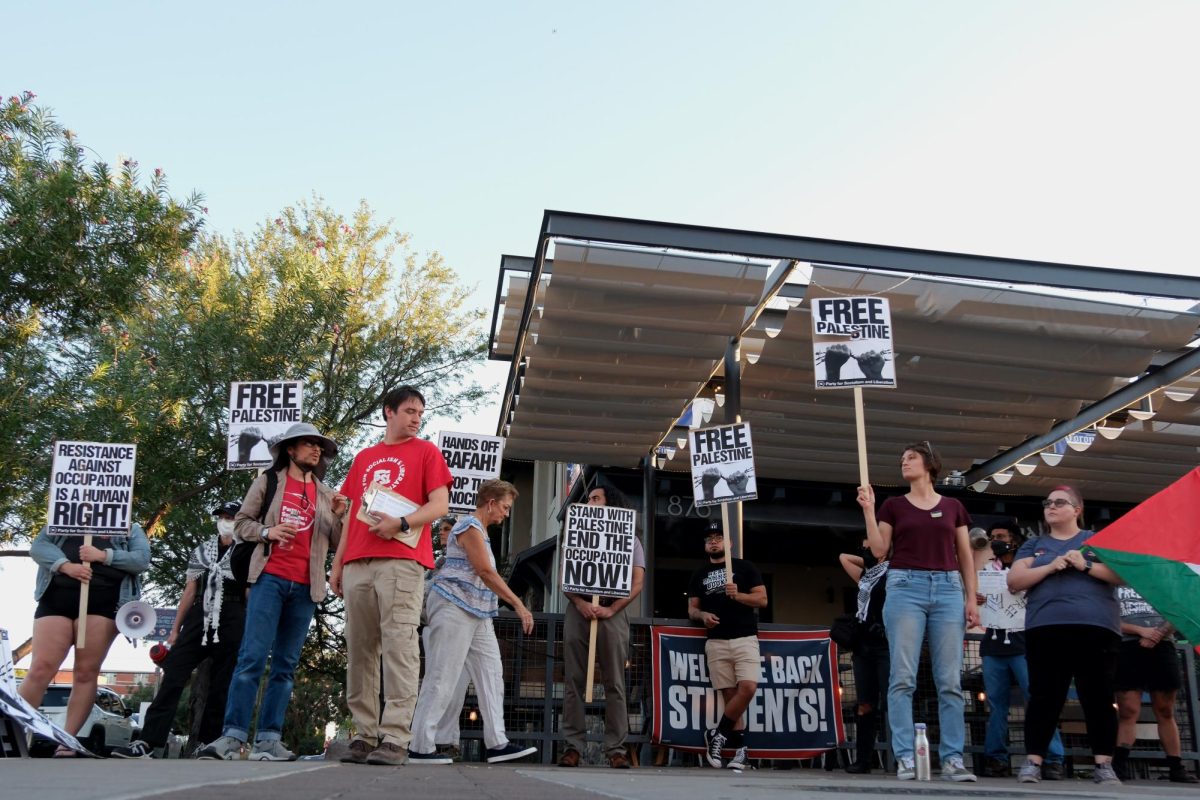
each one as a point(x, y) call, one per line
point(428, 758)
point(509, 752)
point(136, 749)
point(714, 743)
point(1179, 774)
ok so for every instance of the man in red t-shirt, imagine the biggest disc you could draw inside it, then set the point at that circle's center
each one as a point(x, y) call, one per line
point(382, 579)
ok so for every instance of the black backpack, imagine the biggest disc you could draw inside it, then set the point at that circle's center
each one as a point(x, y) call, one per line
point(239, 562)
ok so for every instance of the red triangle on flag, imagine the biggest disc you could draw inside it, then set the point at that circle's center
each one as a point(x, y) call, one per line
point(1166, 524)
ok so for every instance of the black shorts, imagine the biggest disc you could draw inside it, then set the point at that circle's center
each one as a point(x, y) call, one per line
point(60, 601)
point(1153, 669)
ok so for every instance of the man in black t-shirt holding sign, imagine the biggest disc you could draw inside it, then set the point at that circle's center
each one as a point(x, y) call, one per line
point(726, 607)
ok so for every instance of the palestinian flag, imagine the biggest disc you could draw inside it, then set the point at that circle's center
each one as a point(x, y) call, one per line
point(1155, 548)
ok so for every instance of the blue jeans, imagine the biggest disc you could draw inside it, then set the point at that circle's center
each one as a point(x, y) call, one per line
point(920, 601)
point(999, 672)
point(277, 618)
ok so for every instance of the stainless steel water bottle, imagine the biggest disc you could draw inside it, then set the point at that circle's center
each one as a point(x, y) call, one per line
point(921, 752)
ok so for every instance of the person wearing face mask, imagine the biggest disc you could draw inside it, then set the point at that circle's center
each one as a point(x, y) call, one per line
point(293, 530)
point(1003, 653)
point(212, 613)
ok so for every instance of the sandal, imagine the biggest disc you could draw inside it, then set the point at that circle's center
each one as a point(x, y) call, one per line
point(64, 752)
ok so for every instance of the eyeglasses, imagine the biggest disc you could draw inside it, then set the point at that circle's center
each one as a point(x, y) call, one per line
point(1057, 502)
point(310, 442)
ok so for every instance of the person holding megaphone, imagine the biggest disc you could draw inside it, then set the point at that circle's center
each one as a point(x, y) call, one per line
point(111, 567)
point(212, 614)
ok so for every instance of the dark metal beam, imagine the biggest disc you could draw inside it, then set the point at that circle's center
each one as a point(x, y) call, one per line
point(648, 233)
point(1181, 367)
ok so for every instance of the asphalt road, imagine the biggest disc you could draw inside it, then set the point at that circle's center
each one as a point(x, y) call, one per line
point(45, 779)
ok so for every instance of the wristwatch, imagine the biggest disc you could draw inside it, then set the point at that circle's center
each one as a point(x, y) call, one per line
point(265, 535)
point(1087, 565)
point(403, 525)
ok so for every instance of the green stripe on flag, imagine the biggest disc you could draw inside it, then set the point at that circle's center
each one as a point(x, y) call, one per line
point(1172, 587)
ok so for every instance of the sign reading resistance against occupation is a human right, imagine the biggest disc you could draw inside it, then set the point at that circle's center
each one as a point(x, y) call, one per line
point(852, 342)
point(91, 489)
point(597, 550)
point(473, 458)
point(722, 464)
point(259, 413)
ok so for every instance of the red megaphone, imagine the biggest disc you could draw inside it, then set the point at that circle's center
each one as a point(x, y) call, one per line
point(158, 653)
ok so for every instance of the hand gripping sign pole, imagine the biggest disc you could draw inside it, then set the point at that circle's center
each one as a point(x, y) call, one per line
point(81, 620)
point(597, 560)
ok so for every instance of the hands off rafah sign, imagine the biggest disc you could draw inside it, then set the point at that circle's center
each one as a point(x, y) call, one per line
point(597, 550)
point(91, 489)
point(722, 464)
point(852, 342)
point(259, 413)
point(473, 458)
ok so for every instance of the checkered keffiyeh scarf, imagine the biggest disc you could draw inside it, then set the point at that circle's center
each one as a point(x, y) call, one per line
point(866, 584)
point(205, 563)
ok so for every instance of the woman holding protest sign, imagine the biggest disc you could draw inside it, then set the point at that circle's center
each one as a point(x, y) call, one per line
point(110, 567)
point(930, 588)
point(463, 601)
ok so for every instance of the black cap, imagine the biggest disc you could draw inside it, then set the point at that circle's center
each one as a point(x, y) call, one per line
point(714, 526)
point(229, 508)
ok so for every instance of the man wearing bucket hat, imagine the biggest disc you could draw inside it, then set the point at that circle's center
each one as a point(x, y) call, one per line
point(294, 519)
point(209, 624)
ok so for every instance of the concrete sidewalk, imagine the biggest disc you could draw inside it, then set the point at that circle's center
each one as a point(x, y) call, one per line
point(45, 779)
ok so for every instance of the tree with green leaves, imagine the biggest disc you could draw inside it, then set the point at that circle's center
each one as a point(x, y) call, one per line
point(80, 244)
point(340, 303)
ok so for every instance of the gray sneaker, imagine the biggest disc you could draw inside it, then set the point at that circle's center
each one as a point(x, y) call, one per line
point(953, 770)
point(272, 750)
point(738, 762)
point(905, 770)
point(1030, 772)
point(1104, 773)
point(226, 748)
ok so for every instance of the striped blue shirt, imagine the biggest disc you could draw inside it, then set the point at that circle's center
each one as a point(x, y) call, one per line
point(457, 581)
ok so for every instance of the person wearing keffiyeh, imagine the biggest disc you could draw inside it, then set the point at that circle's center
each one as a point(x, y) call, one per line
point(209, 624)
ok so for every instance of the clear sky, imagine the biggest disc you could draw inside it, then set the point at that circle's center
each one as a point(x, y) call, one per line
point(1057, 130)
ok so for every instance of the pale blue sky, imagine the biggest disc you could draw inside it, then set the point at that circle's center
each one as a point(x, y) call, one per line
point(1061, 131)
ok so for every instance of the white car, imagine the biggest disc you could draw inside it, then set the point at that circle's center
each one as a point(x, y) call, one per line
point(108, 725)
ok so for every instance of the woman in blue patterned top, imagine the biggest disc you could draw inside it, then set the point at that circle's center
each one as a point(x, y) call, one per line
point(463, 599)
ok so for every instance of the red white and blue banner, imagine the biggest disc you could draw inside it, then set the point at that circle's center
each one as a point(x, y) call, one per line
point(796, 712)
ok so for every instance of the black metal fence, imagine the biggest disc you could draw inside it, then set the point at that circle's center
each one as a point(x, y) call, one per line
point(533, 698)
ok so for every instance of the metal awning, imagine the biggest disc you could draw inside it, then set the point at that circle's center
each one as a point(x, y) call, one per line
point(624, 332)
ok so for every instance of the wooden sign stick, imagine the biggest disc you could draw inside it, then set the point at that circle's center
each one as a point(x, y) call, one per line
point(861, 430)
point(591, 656)
point(81, 623)
point(725, 535)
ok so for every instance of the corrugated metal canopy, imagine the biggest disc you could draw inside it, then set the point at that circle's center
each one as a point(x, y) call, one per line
point(979, 370)
point(622, 338)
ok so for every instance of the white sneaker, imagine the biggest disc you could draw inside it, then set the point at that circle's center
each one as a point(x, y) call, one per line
point(905, 770)
point(226, 748)
point(272, 750)
point(738, 762)
point(953, 770)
